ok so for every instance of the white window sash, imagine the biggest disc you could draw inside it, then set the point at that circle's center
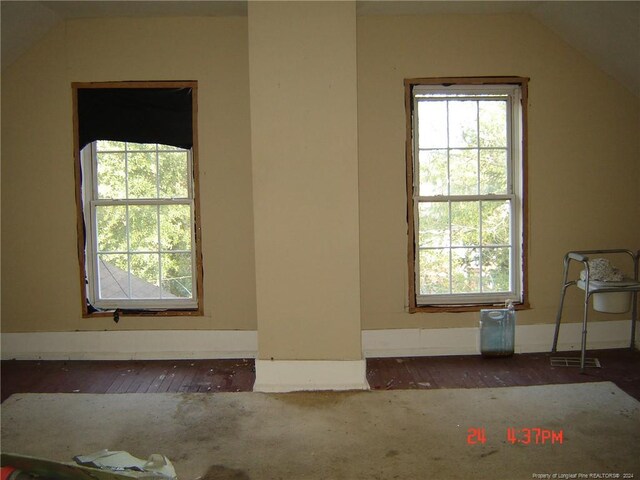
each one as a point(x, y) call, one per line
point(89, 172)
point(513, 195)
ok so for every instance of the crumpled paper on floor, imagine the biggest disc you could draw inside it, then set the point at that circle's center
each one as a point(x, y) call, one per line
point(118, 461)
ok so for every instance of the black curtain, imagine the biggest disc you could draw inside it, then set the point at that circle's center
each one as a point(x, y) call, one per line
point(140, 115)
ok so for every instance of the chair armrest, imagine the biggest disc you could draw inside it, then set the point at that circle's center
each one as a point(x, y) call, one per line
point(577, 256)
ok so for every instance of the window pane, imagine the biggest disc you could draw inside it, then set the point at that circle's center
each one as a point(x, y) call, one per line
point(434, 271)
point(175, 223)
point(145, 272)
point(434, 176)
point(111, 175)
point(177, 275)
point(142, 174)
point(463, 124)
point(112, 228)
point(465, 266)
point(467, 140)
point(464, 172)
point(493, 171)
point(465, 223)
point(174, 180)
point(114, 276)
point(434, 224)
point(432, 124)
point(140, 146)
point(495, 269)
point(143, 228)
point(496, 223)
point(493, 123)
point(109, 145)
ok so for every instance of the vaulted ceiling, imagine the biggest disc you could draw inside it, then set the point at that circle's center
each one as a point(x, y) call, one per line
point(606, 32)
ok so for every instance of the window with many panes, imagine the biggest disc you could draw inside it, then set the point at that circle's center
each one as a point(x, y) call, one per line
point(466, 159)
point(140, 242)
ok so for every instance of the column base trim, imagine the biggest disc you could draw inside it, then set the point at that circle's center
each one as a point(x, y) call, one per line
point(303, 375)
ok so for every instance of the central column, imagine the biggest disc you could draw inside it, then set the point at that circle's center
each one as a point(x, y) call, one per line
point(302, 63)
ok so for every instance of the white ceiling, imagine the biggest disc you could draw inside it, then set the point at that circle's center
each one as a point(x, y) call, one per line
point(607, 32)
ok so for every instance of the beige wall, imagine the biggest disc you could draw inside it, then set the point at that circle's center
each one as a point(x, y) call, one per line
point(302, 58)
point(584, 152)
point(40, 268)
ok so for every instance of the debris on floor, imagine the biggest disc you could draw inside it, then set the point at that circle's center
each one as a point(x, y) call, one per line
point(103, 465)
point(123, 461)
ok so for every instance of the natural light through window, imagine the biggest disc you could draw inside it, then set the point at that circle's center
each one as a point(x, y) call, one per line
point(467, 185)
point(136, 169)
point(141, 210)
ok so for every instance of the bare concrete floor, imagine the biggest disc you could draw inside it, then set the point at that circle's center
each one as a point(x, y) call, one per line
point(584, 429)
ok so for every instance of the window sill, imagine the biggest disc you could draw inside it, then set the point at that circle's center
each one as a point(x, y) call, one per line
point(195, 312)
point(463, 308)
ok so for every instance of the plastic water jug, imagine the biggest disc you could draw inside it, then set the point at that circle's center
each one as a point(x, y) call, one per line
point(497, 331)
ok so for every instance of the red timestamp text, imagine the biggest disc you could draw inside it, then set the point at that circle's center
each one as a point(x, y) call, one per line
point(522, 436)
point(534, 436)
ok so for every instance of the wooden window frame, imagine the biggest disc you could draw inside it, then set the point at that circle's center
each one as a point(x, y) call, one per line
point(409, 84)
point(82, 237)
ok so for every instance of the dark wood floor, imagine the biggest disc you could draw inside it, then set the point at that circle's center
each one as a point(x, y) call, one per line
point(620, 366)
